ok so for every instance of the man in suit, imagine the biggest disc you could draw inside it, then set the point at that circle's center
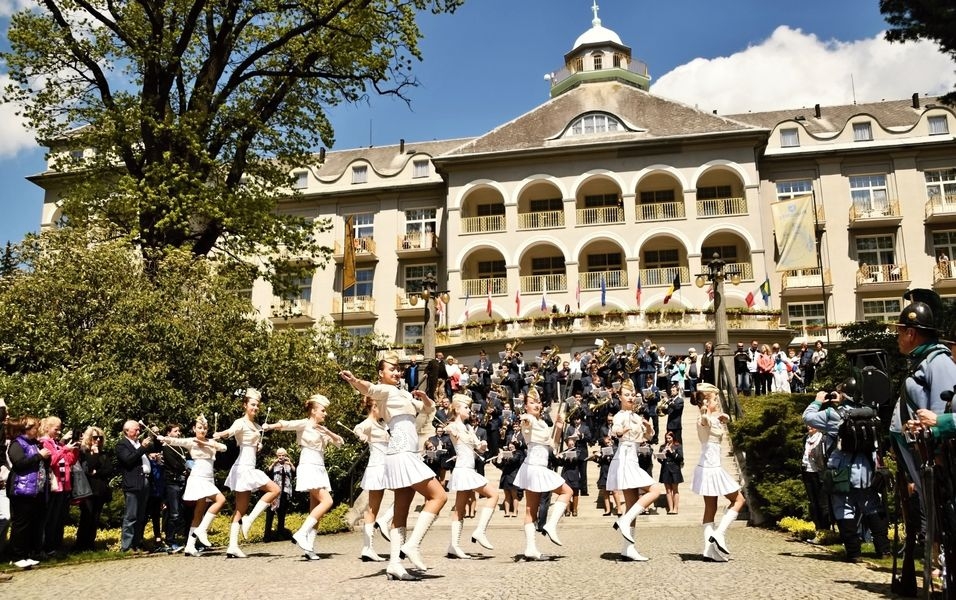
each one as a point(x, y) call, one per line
point(485, 368)
point(134, 465)
point(412, 374)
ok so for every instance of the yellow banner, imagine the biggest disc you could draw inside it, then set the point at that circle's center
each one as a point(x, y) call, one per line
point(348, 264)
point(794, 227)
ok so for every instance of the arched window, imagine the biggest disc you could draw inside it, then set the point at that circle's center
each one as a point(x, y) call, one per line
point(617, 60)
point(594, 123)
point(598, 60)
point(578, 64)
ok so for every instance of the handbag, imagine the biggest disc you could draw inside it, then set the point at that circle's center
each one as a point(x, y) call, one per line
point(837, 481)
point(81, 483)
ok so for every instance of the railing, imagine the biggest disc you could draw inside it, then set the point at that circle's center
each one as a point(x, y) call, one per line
point(744, 269)
point(664, 276)
point(721, 207)
point(354, 304)
point(480, 287)
point(417, 241)
point(532, 284)
point(547, 219)
point(601, 215)
point(944, 269)
point(941, 205)
point(868, 274)
point(875, 210)
point(612, 280)
point(291, 308)
point(804, 278)
point(661, 211)
point(490, 224)
point(364, 245)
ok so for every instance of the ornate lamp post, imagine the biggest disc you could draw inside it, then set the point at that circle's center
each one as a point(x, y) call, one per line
point(430, 294)
point(717, 272)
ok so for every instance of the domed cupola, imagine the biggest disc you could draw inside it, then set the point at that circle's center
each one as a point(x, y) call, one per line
point(598, 55)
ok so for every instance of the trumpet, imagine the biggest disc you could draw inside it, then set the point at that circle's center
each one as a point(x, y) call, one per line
point(663, 405)
point(596, 405)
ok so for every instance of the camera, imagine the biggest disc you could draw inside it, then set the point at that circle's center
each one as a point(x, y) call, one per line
point(832, 395)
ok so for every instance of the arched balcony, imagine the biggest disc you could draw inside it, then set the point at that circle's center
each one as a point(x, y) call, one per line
point(663, 258)
point(660, 197)
point(720, 193)
point(598, 202)
point(484, 272)
point(542, 270)
point(540, 207)
point(733, 250)
point(483, 211)
point(602, 264)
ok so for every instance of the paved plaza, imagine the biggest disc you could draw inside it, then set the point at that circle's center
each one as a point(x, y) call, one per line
point(766, 565)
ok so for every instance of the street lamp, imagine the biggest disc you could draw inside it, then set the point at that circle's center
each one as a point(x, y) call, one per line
point(430, 293)
point(718, 272)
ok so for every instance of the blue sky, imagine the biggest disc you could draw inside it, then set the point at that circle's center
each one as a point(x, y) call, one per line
point(485, 65)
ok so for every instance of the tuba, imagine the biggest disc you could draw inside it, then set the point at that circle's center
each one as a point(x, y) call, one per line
point(552, 358)
point(604, 352)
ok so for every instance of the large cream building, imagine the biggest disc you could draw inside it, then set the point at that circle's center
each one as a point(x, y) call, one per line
point(609, 191)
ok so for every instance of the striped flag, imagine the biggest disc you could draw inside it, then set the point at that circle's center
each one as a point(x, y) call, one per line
point(765, 290)
point(674, 287)
point(577, 295)
point(467, 298)
point(638, 291)
point(488, 306)
point(348, 262)
point(518, 302)
point(603, 291)
point(710, 291)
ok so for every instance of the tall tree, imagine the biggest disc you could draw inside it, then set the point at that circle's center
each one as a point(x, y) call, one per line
point(912, 20)
point(181, 119)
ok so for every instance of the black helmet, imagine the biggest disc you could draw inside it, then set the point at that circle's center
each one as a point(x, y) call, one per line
point(931, 299)
point(850, 387)
point(917, 315)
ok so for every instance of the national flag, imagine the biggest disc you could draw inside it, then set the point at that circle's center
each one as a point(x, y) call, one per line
point(765, 290)
point(710, 291)
point(674, 287)
point(439, 309)
point(488, 306)
point(544, 294)
point(467, 298)
point(348, 262)
point(603, 291)
point(795, 233)
point(750, 299)
point(638, 291)
point(518, 302)
point(577, 295)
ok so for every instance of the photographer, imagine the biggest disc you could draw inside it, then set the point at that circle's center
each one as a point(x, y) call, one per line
point(281, 470)
point(851, 468)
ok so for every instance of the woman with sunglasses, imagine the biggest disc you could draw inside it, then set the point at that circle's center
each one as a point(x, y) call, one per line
point(98, 466)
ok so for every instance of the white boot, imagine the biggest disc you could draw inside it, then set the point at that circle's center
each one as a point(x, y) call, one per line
point(623, 523)
point(395, 570)
point(709, 550)
point(383, 521)
point(717, 537)
point(248, 520)
point(191, 544)
point(301, 536)
point(630, 553)
point(233, 551)
point(200, 532)
point(454, 548)
point(368, 553)
point(530, 549)
point(550, 528)
point(478, 536)
point(412, 548)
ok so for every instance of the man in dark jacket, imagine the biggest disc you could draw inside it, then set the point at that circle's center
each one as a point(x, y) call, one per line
point(134, 466)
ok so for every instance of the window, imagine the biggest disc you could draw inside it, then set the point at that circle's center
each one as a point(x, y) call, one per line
point(547, 265)
point(360, 330)
point(594, 123)
point(938, 125)
point(657, 196)
point(301, 180)
point(549, 204)
point(802, 315)
point(883, 310)
point(789, 138)
point(944, 243)
point(76, 154)
point(420, 221)
point(363, 282)
point(862, 132)
point(360, 174)
point(875, 250)
point(363, 225)
point(600, 200)
point(491, 269)
point(661, 259)
point(304, 286)
point(869, 195)
point(727, 253)
point(616, 60)
point(415, 274)
point(787, 190)
point(941, 185)
point(714, 192)
point(420, 168)
point(490, 210)
point(412, 334)
point(578, 64)
point(610, 261)
point(598, 61)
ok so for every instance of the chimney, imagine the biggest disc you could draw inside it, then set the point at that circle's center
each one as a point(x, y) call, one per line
point(401, 146)
point(715, 111)
point(321, 155)
point(816, 111)
point(916, 100)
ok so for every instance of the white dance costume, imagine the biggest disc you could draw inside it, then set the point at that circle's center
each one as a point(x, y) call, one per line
point(311, 473)
point(200, 483)
point(534, 474)
point(404, 466)
point(710, 479)
point(624, 472)
point(376, 436)
point(244, 476)
point(463, 476)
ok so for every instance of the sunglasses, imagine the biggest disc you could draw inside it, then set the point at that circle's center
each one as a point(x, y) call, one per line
point(96, 437)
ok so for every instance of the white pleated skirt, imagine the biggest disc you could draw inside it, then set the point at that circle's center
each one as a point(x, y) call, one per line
point(464, 479)
point(710, 479)
point(311, 473)
point(200, 483)
point(534, 474)
point(374, 477)
point(624, 472)
point(244, 476)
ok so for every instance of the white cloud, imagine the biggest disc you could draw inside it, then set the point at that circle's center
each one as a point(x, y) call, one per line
point(791, 69)
point(14, 136)
point(8, 7)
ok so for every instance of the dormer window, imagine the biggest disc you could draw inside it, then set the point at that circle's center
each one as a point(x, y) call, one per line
point(360, 174)
point(598, 59)
point(301, 180)
point(617, 60)
point(578, 64)
point(789, 138)
point(862, 132)
point(594, 123)
point(938, 125)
